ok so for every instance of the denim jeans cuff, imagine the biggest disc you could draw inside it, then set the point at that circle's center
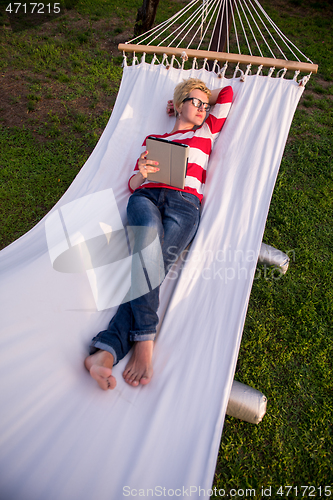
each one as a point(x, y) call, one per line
point(137, 336)
point(97, 345)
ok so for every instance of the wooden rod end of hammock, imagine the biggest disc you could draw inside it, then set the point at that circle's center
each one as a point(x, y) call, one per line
point(221, 56)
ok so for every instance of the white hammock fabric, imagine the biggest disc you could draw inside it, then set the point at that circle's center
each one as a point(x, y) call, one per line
point(61, 436)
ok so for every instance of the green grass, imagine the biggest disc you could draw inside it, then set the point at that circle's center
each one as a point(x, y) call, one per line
point(33, 177)
point(60, 80)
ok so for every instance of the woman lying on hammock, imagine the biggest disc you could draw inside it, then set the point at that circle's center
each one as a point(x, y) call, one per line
point(174, 214)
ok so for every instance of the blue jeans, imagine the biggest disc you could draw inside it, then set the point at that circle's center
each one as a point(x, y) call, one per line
point(174, 216)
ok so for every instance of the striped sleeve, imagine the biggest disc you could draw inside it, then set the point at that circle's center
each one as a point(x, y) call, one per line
point(219, 112)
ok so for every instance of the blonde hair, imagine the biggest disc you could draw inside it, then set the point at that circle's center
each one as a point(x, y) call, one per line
point(183, 90)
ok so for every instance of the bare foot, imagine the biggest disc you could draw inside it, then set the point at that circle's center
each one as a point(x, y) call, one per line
point(139, 369)
point(99, 365)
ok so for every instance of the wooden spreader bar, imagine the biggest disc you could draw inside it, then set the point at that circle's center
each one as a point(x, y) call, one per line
point(221, 56)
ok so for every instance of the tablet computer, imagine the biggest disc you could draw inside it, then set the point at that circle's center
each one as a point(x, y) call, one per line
point(172, 158)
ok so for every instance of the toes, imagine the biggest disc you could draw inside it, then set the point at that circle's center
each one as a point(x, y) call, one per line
point(145, 380)
point(103, 377)
point(111, 382)
point(136, 379)
point(131, 377)
point(132, 380)
point(128, 375)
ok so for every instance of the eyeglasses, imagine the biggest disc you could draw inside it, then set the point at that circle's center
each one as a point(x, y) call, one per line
point(197, 103)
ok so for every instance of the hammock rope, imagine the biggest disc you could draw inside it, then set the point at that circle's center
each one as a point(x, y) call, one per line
point(251, 37)
point(240, 19)
point(254, 37)
point(202, 38)
point(217, 17)
point(271, 36)
point(283, 36)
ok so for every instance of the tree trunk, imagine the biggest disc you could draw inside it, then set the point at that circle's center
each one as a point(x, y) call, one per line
point(216, 46)
point(145, 16)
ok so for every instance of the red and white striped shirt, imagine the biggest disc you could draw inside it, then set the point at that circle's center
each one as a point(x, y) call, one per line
point(201, 142)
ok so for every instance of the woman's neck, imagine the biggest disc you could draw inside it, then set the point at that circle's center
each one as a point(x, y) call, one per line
point(181, 125)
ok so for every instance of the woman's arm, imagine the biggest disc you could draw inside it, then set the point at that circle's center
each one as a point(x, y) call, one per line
point(222, 99)
point(145, 167)
point(136, 181)
point(214, 96)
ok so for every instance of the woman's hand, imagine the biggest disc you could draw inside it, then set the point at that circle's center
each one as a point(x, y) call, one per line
point(170, 108)
point(146, 166)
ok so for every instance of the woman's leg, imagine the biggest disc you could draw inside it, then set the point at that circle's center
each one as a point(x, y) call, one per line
point(145, 220)
point(138, 315)
point(171, 218)
point(174, 217)
point(180, 219)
